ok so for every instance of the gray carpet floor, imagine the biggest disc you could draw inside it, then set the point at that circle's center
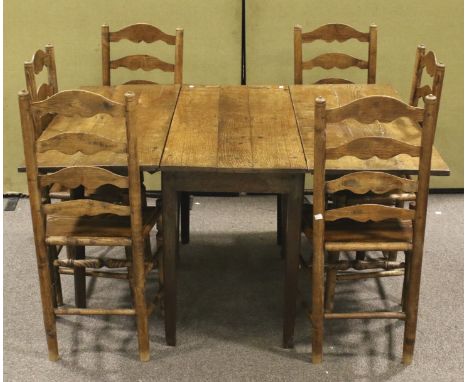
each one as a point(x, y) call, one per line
point(230, 296)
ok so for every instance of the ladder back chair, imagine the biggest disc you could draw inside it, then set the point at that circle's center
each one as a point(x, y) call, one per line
point(87, 222)
point(330, 33)
point(138, 33)
point(149, 34)
point(369, 227)
point(43, 59)
point(424, 63)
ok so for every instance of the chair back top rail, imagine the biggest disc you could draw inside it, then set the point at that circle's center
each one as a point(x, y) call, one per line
point(41, 59)
point(383, 109)
point(426, 62)
point(330, 33)
point(83, 104)
point(138, 33)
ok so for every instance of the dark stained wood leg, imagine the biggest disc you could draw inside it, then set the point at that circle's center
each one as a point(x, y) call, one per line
point(360, 255)
point(405, 280)
point(292, 249)
point(171, 236)
point(56, 281)
point(80, 279)
point(330, 285)
point(283, 212)
point(279, 220)
point(185, 217)
point(79, 253)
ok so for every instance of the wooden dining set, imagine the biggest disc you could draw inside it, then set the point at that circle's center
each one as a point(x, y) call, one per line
point(371, 155)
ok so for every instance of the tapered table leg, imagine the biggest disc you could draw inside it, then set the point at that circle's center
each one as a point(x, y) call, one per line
point(170, 239)
point(185, 217)
point(292, 248)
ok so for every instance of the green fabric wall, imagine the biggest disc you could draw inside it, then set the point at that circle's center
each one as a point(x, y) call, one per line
point(212, 47)
point(402, 25)
point(212, 50)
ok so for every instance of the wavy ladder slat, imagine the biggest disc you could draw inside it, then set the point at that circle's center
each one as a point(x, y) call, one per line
point(333, 81)
point(370, 109)
point(335, 32)
point(371, 181)
point(142, 61)
point(142, 32)
point(366, 212)
point(78, 102)
point(87, 176)
point(71, 143)
point(368, 147)
point(335, 60)
point(85, 207)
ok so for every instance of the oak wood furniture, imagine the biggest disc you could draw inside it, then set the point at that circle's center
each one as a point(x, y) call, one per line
point(330, 33)
point(425, 63)
point(253, 131)
point(87, 221)
point(137, 33)
point(233, 139)
point(43, 59)
point(365, 227)
point(149, 34)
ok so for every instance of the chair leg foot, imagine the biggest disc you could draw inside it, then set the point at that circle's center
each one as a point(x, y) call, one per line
point(144, 356)
point(53, 355)
point(317, 358)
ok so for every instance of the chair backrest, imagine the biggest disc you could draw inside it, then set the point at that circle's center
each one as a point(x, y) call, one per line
point(367, 110)
point(330, 33)
point(426, 62)
point(83, 104)
point(137, 33)
point(40, 60)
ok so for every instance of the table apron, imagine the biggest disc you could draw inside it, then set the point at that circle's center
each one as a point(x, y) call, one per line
point(277, 183)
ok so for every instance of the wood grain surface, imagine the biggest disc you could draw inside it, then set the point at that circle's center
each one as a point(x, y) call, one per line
point(303, 98)
point(154, 111)
point(234, 128)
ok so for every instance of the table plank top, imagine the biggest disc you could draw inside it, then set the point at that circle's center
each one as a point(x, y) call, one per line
point(403, 129)
point(154, 111)
point(234, 128)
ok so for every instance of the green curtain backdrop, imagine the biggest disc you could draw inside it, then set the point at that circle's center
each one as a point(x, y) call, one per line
point(212, 50)
point(212, 46)
point(402, 25)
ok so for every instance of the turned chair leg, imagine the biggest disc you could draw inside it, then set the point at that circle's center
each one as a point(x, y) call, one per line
point(392, 255)
point(360, 255)
point(129, 257)
point(317, 314)
point(405, 280)
point(411, 303)
point(47, 298)
point(55, 274)
point(138, 284)
point(330, 283)
point(185, 217)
